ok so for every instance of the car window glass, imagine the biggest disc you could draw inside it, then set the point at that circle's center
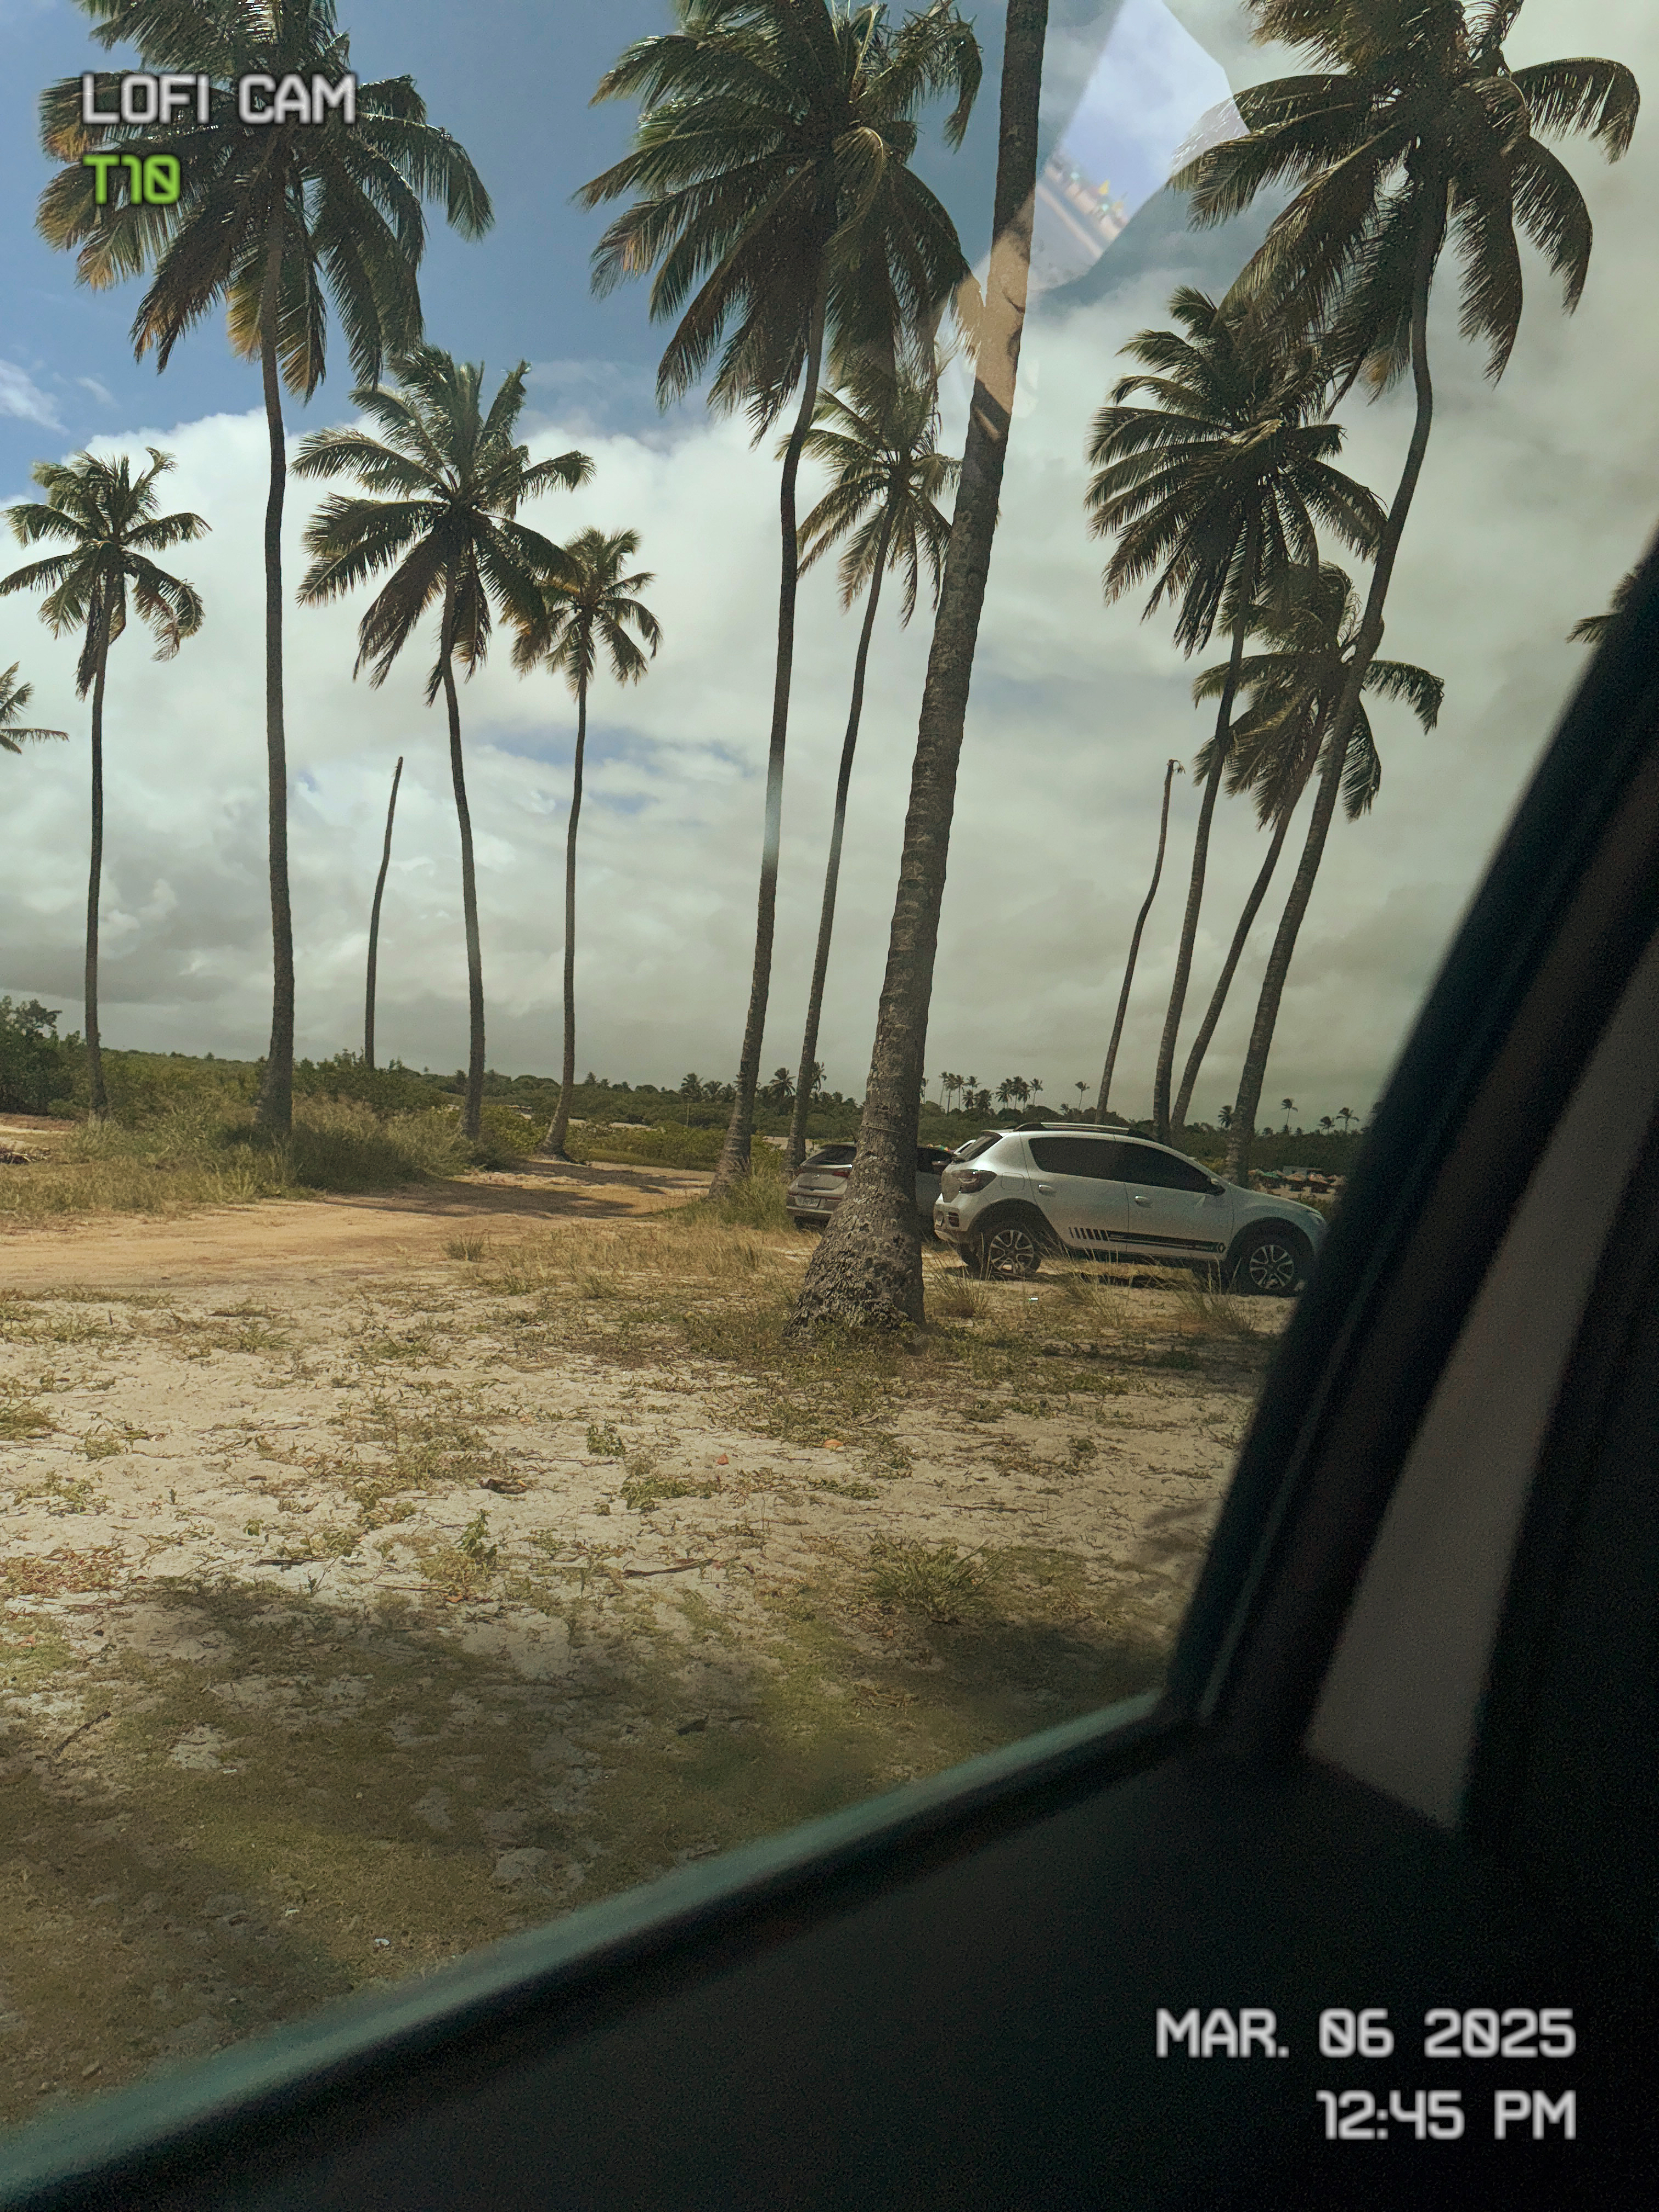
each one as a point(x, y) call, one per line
point(831, 1156)
point(1161, 1171)
point(1098, 1156)
point(975, 1146)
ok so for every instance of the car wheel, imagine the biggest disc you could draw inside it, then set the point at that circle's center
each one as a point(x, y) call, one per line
point(809, 1221)
point(1009, 1252)
point(1269, 1263)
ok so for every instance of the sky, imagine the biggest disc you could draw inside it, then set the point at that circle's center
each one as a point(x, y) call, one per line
point(1537, 496)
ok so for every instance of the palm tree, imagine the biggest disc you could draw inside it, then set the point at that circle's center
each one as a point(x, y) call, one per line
point(13, 697)
point(1594, 628)
point(1344, 1115)
point(1213, 490)
point(278, 221)
point(451, 536)
point(1172, 768)
point(374, 919)
point(107, 519)
point(1310, 625)
point(866, 1268)
point(594, 605)
point(1410, 130)
point(880, 443)
point(776, 201)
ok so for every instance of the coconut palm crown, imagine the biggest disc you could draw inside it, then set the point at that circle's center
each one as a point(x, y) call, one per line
point(773, 194)
point(1410, 130)
point(878, 441)
point(14, 698)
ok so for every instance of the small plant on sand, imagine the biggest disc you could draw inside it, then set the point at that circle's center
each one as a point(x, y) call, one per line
point(604, 1441)
point(933, 1580)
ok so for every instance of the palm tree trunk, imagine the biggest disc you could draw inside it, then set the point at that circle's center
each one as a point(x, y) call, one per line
point(1239, 1137)
point(1224, 982)
point(472, 1111)
point(374, 920)
point(561, 1128)
point(1166, 1048)
point(809, 1050)
point(867, 1266)
point(733, 1162)
point(1135, 947)
point(99, 1103)
point(275, 1107)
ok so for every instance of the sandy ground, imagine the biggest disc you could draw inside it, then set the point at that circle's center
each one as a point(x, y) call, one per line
point(381, 1575)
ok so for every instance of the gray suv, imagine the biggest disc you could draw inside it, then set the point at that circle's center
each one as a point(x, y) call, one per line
point(1012, 1196)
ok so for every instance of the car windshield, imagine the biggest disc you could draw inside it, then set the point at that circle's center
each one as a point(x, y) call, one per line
point(600, 693)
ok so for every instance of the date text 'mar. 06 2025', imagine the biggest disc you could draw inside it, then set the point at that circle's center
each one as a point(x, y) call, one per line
point(1480, 2032)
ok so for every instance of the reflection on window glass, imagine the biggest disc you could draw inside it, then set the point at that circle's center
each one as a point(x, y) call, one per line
point(512, 1378)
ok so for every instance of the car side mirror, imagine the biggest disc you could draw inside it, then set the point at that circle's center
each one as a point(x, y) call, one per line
point(1216, 1189)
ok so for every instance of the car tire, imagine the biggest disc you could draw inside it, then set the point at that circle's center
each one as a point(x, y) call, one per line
point(1008, 1248)
point(1270, 1263)
point(816, 1221)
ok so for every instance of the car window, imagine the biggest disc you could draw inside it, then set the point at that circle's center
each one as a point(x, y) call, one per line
point(975, 1146)
point(930, 1158)
point(831, 1156)
point(1161, 1170)
point(1101, 1157)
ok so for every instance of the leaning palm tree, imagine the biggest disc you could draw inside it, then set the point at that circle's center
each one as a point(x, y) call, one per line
point(1595, 628)
point(106, 518)
point(775, 198)
point(450, 534)
point(13, 697)
point(1410, 130)
point(1213, 490)
point(880, 442)
point(593, 604)
point(866, 1268)
point(1308, 627)
point(1171, 770)
point(278, 220)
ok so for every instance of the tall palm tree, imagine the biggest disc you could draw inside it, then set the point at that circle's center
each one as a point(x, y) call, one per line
point(1310, 626)
point(279, 221)
point(1410, 132)
point(880, 442)
point(775, 198)
point(374, 919)
point(451, 536)
point(866, 1268)
point(1171, 770)
point(593, 604)
point(13, 697)
point(107, 519)
point(1213, 490)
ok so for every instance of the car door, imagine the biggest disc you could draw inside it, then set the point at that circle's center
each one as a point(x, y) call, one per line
point(1077, 1183)
point(931, 1162)
point(1175, 1208)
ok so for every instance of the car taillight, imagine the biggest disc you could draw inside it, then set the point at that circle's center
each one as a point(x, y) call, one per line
point(976, 1179)
point(840, 1174)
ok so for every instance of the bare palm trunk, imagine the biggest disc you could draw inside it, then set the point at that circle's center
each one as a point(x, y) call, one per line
point(1166, 1048)
point(1224, 982)
point(275, 1107)
point(809, 1050)
point(733, 1162)
point(1135, 947)
point(1239, 1137)
point(867, 1267)
point(472, 1112)
point(561, 1128)
point(374, 920)
point(99, 1103)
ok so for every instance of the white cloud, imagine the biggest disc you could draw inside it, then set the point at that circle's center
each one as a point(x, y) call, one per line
point(21, 397)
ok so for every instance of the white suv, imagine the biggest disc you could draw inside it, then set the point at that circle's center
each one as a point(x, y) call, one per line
point(1012, 1196)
